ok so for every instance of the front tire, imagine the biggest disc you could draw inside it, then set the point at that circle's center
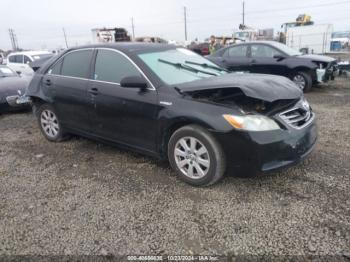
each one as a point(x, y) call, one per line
point(49, 124)
point(196, 156)
point(303, 80)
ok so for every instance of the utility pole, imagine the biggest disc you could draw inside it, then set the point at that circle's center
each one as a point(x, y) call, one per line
point(65, 37)
point(133, 28)
point(185, 20)
point(13, 39)
point(243, 14)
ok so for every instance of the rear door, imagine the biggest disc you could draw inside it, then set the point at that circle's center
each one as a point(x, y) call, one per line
point(235, 58)
point(124, 115)
point(263, 61)
point(15, 62)
point(67, 83)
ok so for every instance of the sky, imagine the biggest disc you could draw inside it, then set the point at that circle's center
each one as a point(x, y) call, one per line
point(38, 23)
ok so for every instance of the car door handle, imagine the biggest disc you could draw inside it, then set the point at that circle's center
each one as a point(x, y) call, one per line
point(94, 91)
point(253, 61)
point(48, 82)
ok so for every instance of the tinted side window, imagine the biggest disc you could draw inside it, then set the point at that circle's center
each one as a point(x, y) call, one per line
point(19, 59)
point(113, 67)
point(77, 64)
point(237, 51)
point(56, 69)
point(16, 59)
point(263, 51)
point(12, 59)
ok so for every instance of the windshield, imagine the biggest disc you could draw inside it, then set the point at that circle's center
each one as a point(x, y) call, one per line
point(6, 72)
point(242, 34)
point(285, 49)
point(180, 65)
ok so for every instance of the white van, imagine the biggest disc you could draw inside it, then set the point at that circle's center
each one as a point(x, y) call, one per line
point(19, 61)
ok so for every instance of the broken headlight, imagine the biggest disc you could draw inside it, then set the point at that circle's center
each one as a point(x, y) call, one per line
point(252, 122)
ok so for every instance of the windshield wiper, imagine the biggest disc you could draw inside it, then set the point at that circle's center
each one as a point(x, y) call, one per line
point(205, 65)
point(186, 67)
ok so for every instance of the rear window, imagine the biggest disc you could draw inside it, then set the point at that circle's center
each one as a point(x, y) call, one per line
point(77, 64)
point(16, 59)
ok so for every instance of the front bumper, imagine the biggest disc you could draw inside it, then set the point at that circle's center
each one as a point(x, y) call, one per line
point(254, 153)
point(328, 73)
point(18, 101)
point(14, 103)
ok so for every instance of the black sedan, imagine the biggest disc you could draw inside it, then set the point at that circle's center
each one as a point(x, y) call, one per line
point(268, 57)
point(174, 104)
point(11, 84)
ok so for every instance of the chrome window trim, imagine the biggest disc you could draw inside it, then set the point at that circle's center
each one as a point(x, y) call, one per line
point(71, 77)
point(132, 62)
point(62, 57)
point(152, 88)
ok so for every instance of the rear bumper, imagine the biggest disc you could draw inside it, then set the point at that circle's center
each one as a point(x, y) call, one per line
point(253, 153)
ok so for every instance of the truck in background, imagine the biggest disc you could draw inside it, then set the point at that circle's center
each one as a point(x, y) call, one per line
point(247, 34)
point(311, 39)
point(110, 35)
point(340, 41)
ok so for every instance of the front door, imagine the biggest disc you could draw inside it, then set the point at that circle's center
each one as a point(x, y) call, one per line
point(124, 115)
point(263, 60)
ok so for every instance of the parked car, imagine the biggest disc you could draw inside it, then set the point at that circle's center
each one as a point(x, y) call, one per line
point(268, 57)
point(19, 61)
point(11, 84)
point(200, 48)
point(174, 104)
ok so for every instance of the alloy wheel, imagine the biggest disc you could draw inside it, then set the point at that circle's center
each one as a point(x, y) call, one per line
point(49, 123)
point(299, 81)
point(192, 157)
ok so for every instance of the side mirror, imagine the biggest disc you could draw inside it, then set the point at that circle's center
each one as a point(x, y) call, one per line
point(19, 72)
point(134, 82)
point(279, 57)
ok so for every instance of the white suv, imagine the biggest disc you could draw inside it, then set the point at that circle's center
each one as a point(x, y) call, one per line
point(19, 61)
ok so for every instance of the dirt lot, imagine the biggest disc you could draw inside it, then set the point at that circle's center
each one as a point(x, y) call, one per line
point(81, 197)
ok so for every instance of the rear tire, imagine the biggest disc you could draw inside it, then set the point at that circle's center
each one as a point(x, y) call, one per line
point(303, 80)
point(49, 123)
point(196, 156)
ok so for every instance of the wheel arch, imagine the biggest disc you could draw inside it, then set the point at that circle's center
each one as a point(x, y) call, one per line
point(37, 102)
point(168, 130)
point(304, 69)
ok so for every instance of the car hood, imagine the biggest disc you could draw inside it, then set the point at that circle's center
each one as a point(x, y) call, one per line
point(268, 88)
point(318, 58)
point(11, 85)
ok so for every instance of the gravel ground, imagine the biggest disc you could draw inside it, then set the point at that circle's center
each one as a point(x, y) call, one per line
point(81, 197)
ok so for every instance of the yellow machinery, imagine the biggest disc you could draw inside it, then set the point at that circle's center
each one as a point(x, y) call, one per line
point(302, 20)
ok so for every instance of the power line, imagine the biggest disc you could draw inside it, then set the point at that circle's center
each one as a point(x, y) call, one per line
point(299, 7)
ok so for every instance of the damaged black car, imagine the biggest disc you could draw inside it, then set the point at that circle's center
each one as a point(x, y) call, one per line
point(171, 103)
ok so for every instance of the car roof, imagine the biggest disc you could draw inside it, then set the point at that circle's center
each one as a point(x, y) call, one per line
point(258, 42)
point(30, 53)
point(130, 47)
